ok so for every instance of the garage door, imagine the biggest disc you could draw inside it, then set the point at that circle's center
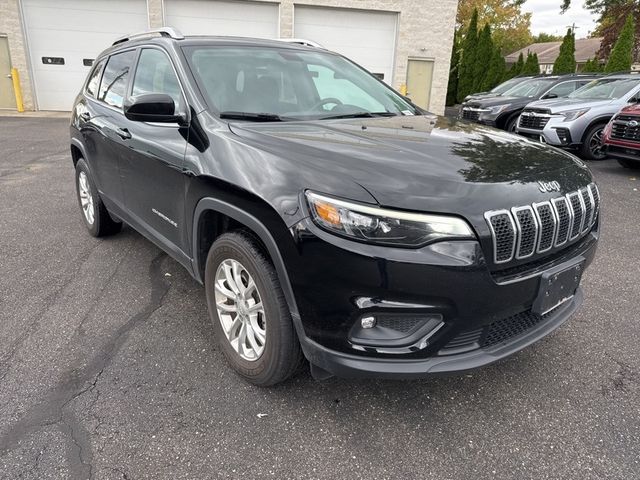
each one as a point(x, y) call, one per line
point(368, 38)
point(213, 17)
point(66, 35)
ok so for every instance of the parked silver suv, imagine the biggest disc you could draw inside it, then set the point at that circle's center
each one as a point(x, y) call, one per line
point(577, 122)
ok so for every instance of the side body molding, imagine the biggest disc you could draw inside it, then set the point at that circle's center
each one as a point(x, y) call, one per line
point(259, 229)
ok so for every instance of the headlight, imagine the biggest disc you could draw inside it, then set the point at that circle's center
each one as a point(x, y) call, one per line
point(573, 114)
point(381, 226)
point(498, 109)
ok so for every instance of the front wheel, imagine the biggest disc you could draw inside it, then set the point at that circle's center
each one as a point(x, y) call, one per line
point(592, 147)
point(251, 319)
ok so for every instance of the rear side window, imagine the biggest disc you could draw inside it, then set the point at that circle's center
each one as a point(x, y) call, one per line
point(563, 89)
point(155, 74)
point(114, 80)
point(94, 78)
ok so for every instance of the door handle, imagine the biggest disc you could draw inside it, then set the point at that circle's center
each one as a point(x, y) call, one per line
point(123, 133)
point(86, 116)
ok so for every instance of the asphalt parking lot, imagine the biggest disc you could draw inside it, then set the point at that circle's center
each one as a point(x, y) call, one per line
point(108, 367)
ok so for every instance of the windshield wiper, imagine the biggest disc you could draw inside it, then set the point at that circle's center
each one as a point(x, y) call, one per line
point(362, 114)
point(251, 116)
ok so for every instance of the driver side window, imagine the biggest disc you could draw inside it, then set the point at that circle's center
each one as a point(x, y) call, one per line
point(341, 89)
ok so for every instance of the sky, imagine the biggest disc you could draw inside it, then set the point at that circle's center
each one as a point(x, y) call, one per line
point(547, 18)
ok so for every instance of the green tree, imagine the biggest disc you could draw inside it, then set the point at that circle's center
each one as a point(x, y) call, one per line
point(496, 70)
point(566, 61)
point(546, 37)
point(484, 53)
point(531, 65)
point(468, 59)
point(622, 53)
point(452, 87)
point(592, 66)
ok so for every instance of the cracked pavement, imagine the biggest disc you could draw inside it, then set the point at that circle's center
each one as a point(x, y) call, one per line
point(108, 368)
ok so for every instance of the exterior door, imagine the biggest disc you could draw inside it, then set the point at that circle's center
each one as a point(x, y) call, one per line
point(7, 97)
point(419, 77)
point(152, 156)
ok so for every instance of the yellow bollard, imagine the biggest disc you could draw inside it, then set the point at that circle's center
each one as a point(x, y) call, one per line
point(16, 89)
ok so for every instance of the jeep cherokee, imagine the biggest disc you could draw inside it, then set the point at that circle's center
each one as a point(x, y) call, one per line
point(327, 216)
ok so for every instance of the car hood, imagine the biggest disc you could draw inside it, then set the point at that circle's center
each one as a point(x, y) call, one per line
point(631, 109)
point(424, 163)
point(500, 100)
point(558, 105)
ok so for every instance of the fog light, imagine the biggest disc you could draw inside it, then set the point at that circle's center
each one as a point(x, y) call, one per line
point(368, 322)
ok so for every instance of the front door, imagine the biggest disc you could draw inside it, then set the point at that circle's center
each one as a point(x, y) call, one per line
point(419, 76)
point(7, 97)
point(152, 156)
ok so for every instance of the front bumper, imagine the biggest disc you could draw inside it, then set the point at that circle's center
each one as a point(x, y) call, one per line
point(556, 132)
point(351, 366)
point(337, 282)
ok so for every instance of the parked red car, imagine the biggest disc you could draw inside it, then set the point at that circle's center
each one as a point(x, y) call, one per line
point(622, 136)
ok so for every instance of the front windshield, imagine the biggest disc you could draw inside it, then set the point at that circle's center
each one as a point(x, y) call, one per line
point(605, 89)
point(504, 86)
point(292, 84)
point(530, 88)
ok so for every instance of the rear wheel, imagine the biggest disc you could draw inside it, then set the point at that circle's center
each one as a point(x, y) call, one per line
point(95, 215)
point(251, 319)
point(634, 164)
point(592, 147)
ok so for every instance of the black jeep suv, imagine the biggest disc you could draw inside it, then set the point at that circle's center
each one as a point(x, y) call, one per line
point(327, 216)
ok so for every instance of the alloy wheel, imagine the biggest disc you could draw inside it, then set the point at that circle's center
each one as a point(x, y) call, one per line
point(595, 144)
point(240, 309)
point(86, 198)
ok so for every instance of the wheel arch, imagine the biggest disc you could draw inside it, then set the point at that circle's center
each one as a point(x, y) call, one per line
point(596, 121)
point(209, 208)
point(77, 151)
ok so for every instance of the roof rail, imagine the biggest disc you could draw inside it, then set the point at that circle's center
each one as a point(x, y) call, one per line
point(163, 32)
point(302, 41)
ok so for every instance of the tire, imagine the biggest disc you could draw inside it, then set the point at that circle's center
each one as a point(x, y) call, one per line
point(588, 149)
point(510, 125)
point(278, 355)
point(94, 214)
point(629, 163)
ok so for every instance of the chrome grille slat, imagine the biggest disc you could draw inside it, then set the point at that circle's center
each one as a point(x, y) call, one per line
point(564, 215)
point(527, 231)
point(503, 232)
point(548, 222)
point(523, 231)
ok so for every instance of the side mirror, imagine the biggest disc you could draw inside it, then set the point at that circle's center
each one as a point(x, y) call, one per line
point(152, 107)
point(550, 95)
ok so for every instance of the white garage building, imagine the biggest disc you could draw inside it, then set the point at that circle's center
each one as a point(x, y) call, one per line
point(52, 43)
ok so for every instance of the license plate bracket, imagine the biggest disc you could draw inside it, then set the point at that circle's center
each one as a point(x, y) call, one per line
point(558, 285)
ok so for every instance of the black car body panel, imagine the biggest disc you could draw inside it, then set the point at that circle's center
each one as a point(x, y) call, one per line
point(180, 185)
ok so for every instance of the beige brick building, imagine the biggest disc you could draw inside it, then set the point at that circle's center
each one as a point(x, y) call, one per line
point(53, 42)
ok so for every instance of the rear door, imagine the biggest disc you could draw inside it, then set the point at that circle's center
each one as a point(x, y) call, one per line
point(99, 116)
point(152, 155)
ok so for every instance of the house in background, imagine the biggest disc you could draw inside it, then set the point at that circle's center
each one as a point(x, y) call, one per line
point(406, 43)
point(586, 49)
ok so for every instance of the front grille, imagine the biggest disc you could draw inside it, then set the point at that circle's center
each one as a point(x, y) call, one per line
point(538, 228)
point(468, 114)
point(626, 127)
point(534, 120)
point(503, 330)
point(498, 332)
